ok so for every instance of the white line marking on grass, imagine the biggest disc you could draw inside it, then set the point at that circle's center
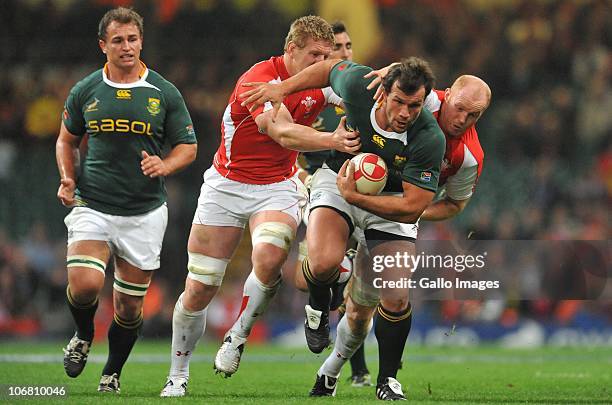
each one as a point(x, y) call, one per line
point(305, 358)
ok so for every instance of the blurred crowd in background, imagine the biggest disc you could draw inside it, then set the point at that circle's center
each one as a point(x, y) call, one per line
point(547, 135)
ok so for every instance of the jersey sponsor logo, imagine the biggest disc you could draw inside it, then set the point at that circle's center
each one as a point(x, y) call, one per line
point(342, 67)
point(124, 94)
point(399, 161)
point(120, 125)
point(316, 195)
point(379, 140)
point(93, 106)
point(426, 176)
point(308, 103)
point(153, 107)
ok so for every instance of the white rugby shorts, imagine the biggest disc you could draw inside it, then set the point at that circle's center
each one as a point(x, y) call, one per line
point(137, 238)
point(325, 193)
point(225, 202)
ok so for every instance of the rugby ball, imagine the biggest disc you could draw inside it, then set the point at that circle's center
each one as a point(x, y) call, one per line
point(370, 173)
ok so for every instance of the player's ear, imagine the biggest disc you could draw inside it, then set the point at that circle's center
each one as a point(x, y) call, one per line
point(291, 47)
point(102, 45)
point(447, 93)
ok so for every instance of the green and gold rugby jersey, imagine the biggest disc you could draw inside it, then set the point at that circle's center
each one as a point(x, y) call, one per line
point(413, 156)
point(327, 121)
point(121, 121)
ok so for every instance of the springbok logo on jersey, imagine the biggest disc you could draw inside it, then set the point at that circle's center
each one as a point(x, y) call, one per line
point(308, 103)
point(339, 111)
point(379, 140)
point(93, 106)
point(124, 94)
point(153, 107)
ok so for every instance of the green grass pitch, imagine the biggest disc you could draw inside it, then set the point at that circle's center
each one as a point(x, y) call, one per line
point(273, 375)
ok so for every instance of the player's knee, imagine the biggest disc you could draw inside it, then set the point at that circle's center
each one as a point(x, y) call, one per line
point(84, 295)
point(205, 269)
point(267, 258)
point(395, 304)
point(277, 234)
point(325, 262)
point(127, 306)
point(359, 321)
point(85, 289)
point(85, 277)
point(197, 295)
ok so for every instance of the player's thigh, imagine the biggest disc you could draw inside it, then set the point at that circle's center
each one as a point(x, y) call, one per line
point(330, 223)
point(86, 265)
point(272, 234)
point(214, 241)
point(327, 235)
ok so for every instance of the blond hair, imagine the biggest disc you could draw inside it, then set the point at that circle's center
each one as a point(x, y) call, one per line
point(310, 26)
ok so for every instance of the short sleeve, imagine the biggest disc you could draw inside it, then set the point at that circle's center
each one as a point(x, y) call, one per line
point(346, 80)
point(432, 102)
point(179, 127)
point(72, 116)
point(423, 166)
point(460, 185)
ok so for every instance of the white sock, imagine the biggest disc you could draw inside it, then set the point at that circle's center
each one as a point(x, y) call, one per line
point(187, 329)
point(255, 300)
point(345, 346)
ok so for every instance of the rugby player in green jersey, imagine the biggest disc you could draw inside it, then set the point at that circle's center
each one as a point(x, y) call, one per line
point(328, 120)
point(412, 145)
point(118, 200)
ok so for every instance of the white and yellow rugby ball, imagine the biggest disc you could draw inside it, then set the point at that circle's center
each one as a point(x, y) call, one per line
point(370, 173)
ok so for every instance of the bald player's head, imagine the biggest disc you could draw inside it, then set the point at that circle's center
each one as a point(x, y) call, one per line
point(464, 103)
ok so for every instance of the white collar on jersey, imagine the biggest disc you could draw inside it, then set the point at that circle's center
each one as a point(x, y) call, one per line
point(393, 135)
point(142, 82)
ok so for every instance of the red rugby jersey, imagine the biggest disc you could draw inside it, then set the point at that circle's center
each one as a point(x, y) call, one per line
point(249, 156)
point(463, 159)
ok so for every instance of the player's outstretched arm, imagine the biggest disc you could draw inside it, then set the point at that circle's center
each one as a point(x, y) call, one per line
point(179, 157)
point(407, 208)
point(445, 208)
point(66, 152)
point(313, 77)
point(306, 139)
